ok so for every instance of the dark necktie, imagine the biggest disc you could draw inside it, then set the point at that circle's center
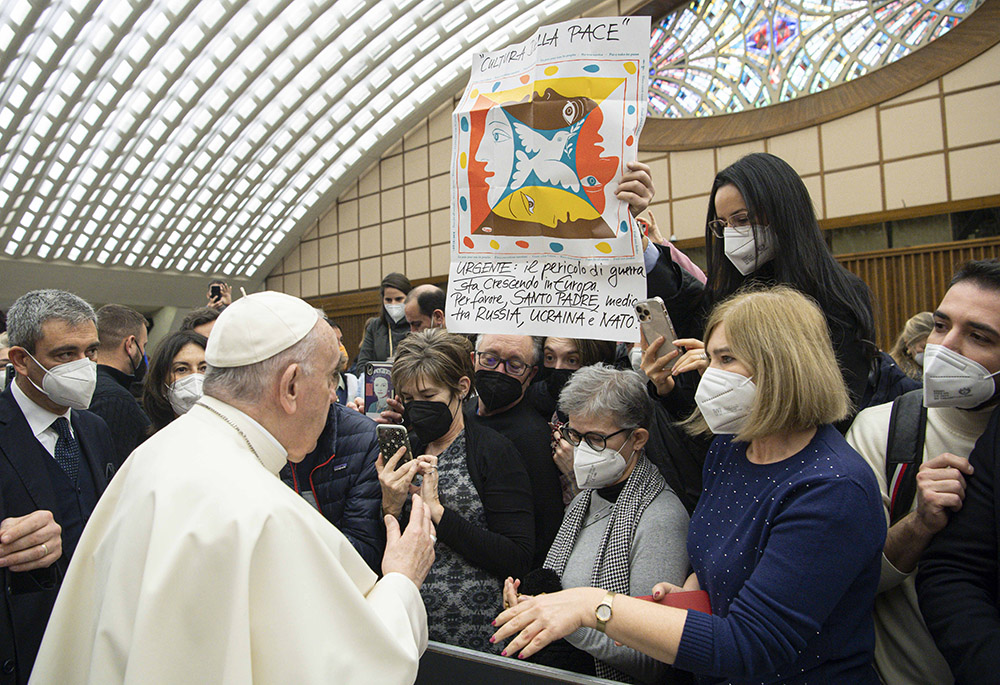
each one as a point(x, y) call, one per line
point(67, 449)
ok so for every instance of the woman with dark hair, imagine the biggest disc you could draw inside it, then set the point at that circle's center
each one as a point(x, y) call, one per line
point(176, 372)
point(384, 332)
point(761, 228)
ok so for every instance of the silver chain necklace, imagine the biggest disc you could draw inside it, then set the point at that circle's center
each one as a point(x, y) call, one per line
point(237, 429)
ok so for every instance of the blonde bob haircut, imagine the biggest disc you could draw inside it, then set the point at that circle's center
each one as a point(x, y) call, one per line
point(917, 328)
point(433, 356)
point(781, 336)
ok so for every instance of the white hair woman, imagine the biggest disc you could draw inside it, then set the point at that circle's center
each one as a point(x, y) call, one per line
point(625, 530)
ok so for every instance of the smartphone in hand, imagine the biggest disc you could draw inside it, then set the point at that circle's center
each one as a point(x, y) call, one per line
point(390, 438)
point(378, 388)
point(655, 322)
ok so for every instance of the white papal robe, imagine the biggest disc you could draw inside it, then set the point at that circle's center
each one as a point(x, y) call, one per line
point(200, 566)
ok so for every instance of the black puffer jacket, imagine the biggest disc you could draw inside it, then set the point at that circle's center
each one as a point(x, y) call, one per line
point(341, 474)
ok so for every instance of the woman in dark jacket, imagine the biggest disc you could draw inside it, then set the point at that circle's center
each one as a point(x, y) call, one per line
point(384, 332)
point(473, 482)
point(761, 228)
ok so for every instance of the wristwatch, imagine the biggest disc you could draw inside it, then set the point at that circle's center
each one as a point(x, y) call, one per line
point(603, 610)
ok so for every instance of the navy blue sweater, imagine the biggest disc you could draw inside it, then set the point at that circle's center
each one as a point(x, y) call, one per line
point(790, 554)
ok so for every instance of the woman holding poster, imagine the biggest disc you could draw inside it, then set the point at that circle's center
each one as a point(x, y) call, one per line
point(762, 228)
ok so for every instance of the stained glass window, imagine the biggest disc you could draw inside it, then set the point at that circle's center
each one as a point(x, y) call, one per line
point(723, 56)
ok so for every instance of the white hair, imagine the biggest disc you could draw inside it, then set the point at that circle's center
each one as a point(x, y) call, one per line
point(252, 382)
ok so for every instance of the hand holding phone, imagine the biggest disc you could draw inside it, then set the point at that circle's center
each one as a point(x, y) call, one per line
point(654, 322)
point(378, 389)
point(390, 438)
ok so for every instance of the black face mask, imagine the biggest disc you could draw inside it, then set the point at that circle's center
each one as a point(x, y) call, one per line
point(557, 381)
point(139, 369)
point(429, 420)
point(497, 389)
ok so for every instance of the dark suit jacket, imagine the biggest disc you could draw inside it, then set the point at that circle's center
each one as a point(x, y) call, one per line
point(25, 487)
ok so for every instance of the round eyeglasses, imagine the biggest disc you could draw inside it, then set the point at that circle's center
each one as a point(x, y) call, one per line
point(598, 441)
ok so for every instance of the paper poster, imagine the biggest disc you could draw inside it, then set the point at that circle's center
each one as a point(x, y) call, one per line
point(540, 244)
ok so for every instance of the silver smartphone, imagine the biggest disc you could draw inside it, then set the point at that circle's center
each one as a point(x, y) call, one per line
point(655, 322)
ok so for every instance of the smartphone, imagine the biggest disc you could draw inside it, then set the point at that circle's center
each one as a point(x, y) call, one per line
point(378, 388)
point(390, 438)
point(216, 291)
point(655, 322)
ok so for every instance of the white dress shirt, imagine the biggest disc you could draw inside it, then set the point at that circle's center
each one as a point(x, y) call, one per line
point(40, 420)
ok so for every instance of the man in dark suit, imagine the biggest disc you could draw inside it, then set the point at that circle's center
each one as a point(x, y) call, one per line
point(54, 461)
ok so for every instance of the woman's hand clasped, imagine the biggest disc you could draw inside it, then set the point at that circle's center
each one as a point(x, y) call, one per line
point(427, 463)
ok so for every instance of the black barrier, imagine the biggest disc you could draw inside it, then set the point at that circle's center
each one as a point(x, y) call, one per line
point(447, 665)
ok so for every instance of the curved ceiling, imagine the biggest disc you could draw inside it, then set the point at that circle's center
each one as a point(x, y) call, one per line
point(201, 137)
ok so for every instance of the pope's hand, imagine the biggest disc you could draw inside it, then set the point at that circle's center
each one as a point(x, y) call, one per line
point(30, 542)
point(412, 552)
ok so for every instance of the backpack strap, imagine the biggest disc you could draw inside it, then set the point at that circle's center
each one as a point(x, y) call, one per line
point(904, 451)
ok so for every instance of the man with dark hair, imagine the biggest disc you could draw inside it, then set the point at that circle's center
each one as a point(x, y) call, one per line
point(121, 361)
point(54, 458)
point(200, 320)
point(424, 308)
point(505, 365)
point(918, 447)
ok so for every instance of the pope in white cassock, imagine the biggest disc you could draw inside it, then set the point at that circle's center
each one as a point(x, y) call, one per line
point(200, 566)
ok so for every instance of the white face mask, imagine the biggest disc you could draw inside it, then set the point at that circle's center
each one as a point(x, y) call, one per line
point(748, 248)
point(597, 468)
point(184, 392)
point(725, 399)
point(396, 311)
point(919, 358)
point(635, 358)
point(69, 385)
point(951, 380)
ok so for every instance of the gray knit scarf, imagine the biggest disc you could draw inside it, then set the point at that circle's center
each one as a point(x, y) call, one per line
point(611, 570)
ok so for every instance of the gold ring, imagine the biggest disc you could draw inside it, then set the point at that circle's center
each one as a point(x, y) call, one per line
point(45, 550)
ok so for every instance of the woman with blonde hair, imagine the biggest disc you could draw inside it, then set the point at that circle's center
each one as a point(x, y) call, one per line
point(787, 536)
point(908, 351)
point(473, 482)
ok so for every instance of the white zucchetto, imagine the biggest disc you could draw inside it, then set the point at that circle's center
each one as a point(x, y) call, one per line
point(257, 327)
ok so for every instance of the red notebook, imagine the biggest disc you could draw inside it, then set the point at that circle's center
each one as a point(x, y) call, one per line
point(690, 599)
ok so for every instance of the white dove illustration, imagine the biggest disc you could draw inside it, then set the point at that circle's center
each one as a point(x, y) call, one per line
point(547, 161)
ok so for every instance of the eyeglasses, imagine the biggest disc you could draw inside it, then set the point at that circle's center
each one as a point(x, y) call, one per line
point(597, 441)
point(738, 220)
point(514, 367)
